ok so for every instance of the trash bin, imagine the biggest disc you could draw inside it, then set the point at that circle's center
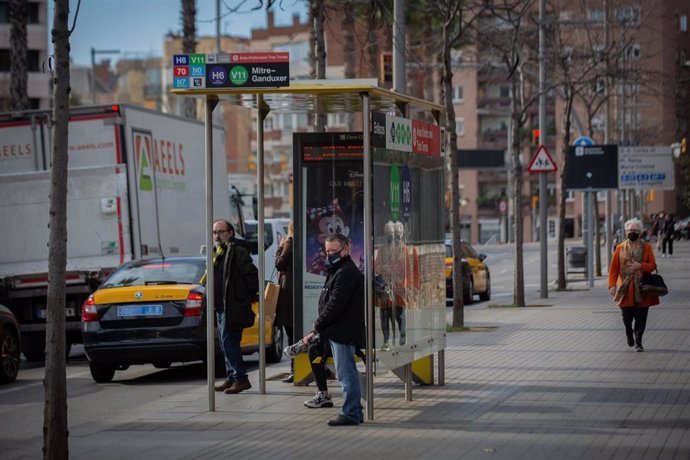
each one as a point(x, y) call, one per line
point(576, 256)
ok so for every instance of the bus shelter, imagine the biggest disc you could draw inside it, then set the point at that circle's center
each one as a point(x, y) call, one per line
point(383, 188)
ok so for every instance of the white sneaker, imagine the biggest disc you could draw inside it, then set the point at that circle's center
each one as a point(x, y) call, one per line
point(320, 399)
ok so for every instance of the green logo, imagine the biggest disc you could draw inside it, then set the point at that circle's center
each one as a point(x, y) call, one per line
point(145, 183)
point(239, 75)
point(395, 193)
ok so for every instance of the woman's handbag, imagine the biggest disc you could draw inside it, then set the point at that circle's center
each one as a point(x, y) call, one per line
point(653, 284)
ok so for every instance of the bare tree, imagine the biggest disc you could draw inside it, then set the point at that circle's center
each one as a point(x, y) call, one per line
point(508, 33)
point(189, 47)
point(317, 16)
point(451, 14)
point(55, 429)
point(18, 12)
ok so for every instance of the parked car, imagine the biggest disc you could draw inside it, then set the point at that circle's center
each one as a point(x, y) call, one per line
point(476, 278)
point(274, 231)
point(152, 311)
point(9, 346)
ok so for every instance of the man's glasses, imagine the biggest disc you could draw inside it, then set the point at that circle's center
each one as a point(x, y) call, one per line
point(219, 232)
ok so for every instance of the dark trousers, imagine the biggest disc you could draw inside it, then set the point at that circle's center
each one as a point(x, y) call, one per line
point(320, 349)
point(390, 316)
point(638, 315)
point(667, 241)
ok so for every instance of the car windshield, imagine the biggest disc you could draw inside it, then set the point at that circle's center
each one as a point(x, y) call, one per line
point(175, 272)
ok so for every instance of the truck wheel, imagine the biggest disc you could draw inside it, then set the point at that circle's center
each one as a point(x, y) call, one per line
point(274, 352)
point(9, 355)
point(102, 373)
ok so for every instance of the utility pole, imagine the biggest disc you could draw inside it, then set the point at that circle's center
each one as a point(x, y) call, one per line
point(399, 78)
point(607, 133)
point(543, 195)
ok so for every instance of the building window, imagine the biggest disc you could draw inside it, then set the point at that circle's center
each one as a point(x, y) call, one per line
point(569, 195)
point(458, 94)
point(460, 127)
point(504, 91)
point(683, 23)
point(633, 52)
point(552, 229)
point(31, 19)
point(32, 60)
point(628, 15)
point(596, 15)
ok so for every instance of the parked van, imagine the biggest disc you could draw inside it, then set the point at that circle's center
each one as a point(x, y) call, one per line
point(274, 229)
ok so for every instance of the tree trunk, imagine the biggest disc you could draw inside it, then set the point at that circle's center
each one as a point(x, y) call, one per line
point(189, 47)
point(373, 44)
point(519, 276)
point(320, 55)
point(567, 111)
point(349, 49)
point(18, 14)
point(447, 84)
point(55, 430)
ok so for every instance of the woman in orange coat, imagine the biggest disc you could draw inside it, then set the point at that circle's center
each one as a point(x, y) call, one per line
point(632, 258)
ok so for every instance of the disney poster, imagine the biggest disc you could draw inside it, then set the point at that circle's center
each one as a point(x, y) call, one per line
point(333, 202)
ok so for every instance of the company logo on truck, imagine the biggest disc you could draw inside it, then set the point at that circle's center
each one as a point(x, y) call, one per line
point(162, 156)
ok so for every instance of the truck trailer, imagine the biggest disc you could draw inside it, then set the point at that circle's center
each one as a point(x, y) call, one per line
point(136, 188)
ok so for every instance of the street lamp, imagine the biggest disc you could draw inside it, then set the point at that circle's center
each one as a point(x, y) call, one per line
point(92, 80)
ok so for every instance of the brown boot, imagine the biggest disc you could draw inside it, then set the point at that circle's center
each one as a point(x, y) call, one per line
point(238, 387)
point(224, 386)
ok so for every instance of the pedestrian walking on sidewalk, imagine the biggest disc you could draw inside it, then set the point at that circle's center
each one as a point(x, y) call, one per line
point(668, 234)
point(631, 259)
point(341, 319)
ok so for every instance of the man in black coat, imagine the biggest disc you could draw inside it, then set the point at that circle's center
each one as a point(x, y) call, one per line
point(341, 320)
point(236, 288)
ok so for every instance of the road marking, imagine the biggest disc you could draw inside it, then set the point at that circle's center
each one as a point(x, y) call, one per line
point(35, 384)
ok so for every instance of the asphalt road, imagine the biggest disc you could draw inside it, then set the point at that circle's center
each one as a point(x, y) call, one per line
point(21, 403)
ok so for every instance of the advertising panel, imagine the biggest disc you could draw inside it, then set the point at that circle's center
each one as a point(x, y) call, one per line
point(331, 180)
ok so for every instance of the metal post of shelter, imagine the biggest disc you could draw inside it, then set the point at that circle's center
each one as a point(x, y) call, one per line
point(368, 254)
point(211, 102)
point(262, 112)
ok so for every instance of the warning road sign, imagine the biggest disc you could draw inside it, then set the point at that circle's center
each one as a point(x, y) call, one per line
point(541, 161)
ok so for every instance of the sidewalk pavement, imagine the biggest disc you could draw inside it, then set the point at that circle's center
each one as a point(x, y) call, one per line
point(553, 380)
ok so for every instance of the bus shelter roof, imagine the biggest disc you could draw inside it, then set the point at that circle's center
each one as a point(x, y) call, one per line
point(316, 96)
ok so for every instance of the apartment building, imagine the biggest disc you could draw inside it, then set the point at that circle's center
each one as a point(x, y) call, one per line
point(649, 107)
point(38, 85)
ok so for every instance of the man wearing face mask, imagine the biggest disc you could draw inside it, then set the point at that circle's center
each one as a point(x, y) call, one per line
point(341, 319)
point(631, 259)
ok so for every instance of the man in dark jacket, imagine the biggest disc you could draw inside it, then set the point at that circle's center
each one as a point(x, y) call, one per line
point(236, 287)
point(341, 320)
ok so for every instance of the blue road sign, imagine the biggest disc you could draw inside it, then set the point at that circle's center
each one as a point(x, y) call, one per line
point(583, 141)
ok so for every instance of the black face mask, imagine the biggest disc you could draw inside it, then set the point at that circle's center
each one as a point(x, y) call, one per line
point(633, 236)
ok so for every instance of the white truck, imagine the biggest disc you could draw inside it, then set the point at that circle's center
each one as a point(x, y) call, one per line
point(136, 188)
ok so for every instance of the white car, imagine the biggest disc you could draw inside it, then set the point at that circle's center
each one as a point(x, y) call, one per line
point(274, 229)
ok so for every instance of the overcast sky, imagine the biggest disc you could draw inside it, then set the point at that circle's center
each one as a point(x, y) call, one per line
point(138, 27)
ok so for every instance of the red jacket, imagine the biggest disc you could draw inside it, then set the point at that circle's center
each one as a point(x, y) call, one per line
point(648, 266)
